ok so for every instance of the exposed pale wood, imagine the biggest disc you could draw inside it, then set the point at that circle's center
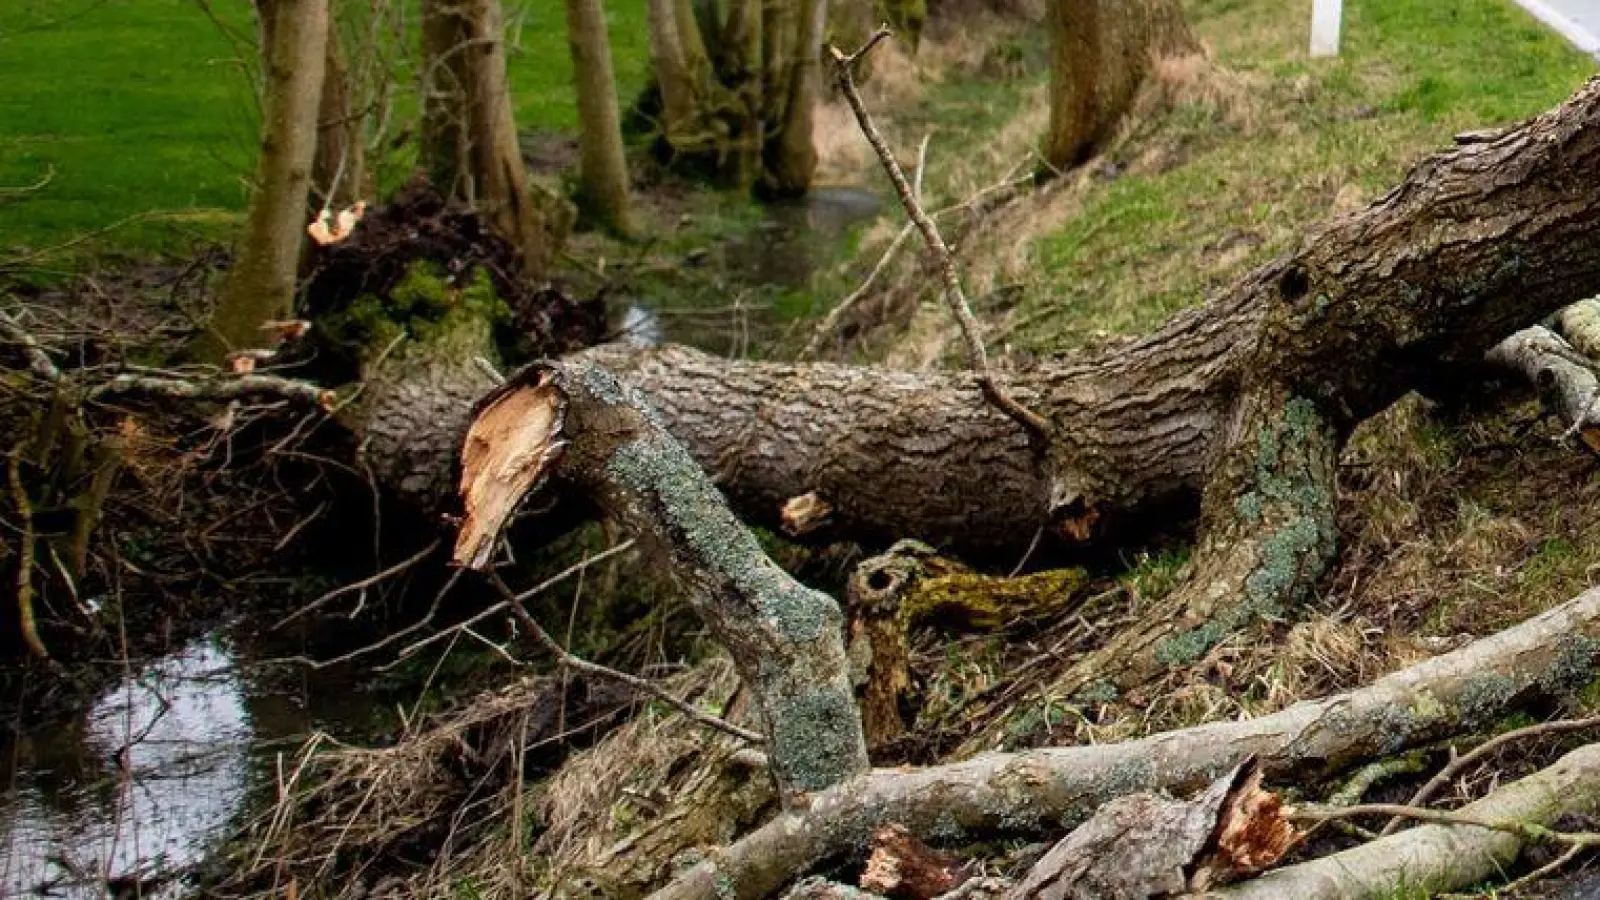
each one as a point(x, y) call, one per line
point(512, 443)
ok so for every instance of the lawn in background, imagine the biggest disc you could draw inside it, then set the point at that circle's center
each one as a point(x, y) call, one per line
point(144, 108)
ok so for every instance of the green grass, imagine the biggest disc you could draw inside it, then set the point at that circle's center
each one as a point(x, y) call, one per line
point(133, 105)
point(1328, 135)
point(539, 63)
point(145, 108)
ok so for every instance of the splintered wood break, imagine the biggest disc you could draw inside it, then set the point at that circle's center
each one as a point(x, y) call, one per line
point(510, 446)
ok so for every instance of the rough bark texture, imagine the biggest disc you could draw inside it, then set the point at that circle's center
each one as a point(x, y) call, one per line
point(1551, 654)
point(469, 138)
point(1441, 858)
point(1101, 51)
point(785, 639)
point(260, 283)
point(1478, 242)
point(339, 171)
point(603, 170)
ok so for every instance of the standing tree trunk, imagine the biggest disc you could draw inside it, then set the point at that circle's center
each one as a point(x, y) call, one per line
point(792, 154)
point(603, 168)
point(469, 138)
point(739, 63)
point(679, 97)
point(339, 173)
point(260, 283)
point(1101, 51)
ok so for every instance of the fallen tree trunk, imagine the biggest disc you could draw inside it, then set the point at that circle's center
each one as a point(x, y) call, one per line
point(1244, 403)
point(1440, 858)
point(1056, 788)
point(1477, 242)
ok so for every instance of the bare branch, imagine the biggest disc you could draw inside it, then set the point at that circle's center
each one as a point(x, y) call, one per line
point(219, 388)
point(643, 685)
point(1461, 763)
point(955, 296)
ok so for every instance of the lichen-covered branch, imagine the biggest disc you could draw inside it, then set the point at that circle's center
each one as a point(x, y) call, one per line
point(577, 422)
point(1439, 858)
point(1052, 789)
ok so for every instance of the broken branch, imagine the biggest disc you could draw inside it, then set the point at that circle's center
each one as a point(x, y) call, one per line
point(1477, 842)
point(577, 422)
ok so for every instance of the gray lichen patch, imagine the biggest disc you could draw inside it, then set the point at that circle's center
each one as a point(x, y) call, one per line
point(810, 743)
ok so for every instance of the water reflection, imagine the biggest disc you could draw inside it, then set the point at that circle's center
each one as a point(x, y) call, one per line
point(136, 790)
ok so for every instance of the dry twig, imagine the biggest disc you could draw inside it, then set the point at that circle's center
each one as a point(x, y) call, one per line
point(955, 296)
point(1461, 763)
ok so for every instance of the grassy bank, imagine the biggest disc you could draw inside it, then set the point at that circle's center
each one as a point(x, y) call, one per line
point(1231, 166)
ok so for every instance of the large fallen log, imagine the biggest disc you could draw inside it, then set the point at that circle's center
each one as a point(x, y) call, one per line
point(1478, 241)
point(1056, 788)
point(1440, 858)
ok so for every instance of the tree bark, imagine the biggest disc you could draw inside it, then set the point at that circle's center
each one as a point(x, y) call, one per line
point(1565, 380)
point(260, 283)
point(1101, 51)
point(339, 171)
point(603, 170)
point(577, 422)
point(1058, 787)
point(679, 96)
point(469, 137)
point(1477, 242)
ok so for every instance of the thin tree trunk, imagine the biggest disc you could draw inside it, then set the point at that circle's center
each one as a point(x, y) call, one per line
point(469, 137)
point(792, 152)
point(695, 55)
point(679, 97)
point(339, 173)
point(260, 284)
point(603, 169)
point(741, 63)
point(1101, 51)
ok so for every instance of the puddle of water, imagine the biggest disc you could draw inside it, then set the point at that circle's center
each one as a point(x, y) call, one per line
point(798, 237)
point(139, 788)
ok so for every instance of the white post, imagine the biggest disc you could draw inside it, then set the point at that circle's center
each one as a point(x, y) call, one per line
point(1325, 16)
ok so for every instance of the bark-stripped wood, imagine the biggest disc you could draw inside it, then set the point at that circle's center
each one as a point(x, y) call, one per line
point(1551, 654)
point(579, 423)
